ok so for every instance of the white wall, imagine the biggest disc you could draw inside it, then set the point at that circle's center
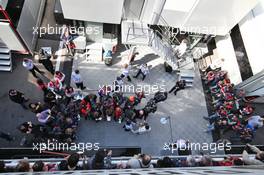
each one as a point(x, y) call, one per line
point(102, 11)
point(133, 8)
point(96, 35)
point(9, 37)
point(147, 11)
point(175, 12)
point(251, 28)
point(207, 16)
point(226, 50)
point(30, 17)
point(3, 3)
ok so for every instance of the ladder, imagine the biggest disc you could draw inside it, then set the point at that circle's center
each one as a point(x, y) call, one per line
point(5, 59)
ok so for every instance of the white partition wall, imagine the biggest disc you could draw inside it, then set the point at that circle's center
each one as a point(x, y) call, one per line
point(251, 28)
point(206, 16)
point(3, 3)
point(103, 11)
point(30, 18)
point(9, 37)
point(226, 50)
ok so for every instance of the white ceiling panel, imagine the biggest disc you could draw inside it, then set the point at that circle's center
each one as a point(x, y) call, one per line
point(207, 16)
point(102, 11)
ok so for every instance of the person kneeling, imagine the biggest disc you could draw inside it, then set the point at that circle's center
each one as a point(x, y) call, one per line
point(142, 128)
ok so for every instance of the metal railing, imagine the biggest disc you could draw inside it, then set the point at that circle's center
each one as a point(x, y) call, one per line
point(201, 59)
point(168, 31)
point(152, 35)
point(245, 170)
point(123, 159)
point(170, 53)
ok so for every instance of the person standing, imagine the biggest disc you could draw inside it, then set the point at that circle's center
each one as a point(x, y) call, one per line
point(56, 86)
point(36, 107)
point(29, 65)
point(77, 79)
point(118, 83)
point(133, 56)
point(45, 60)
point(59, 76)
point(67, 38)
point(18, 97)
point(255, 122)
point(44, 116)
point(141, 114)
point(69, 94)
point(143, 70)
point(42, 86)
point(181, 49)
point(125, 72)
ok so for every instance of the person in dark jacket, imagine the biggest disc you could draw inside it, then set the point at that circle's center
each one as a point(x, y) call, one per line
point(2, 166)
point(42, 85)
point(30, 66)
point(166, 162)
point(141, 114)
point(72, 161)
point(36, 107)
point(178, 86)
point(101, 160)
point(45, 60)
point(18, 97)
point(29, 128)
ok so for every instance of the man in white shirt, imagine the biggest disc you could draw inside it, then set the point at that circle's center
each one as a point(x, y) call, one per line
point(29, 65)
point(77, 79)
point(143, 70)
point(216, 64)
point(181, 49)
point(257, 160)
point(125, 72)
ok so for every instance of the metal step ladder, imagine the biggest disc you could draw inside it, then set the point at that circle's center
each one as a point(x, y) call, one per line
point(184, 67)
point(5, 59)
point(162, 42)
point(163, 49)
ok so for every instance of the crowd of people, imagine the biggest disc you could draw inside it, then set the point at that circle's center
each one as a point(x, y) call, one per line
point(230, 112)
point(102, 159)
point(57, 116)
point(63, 106)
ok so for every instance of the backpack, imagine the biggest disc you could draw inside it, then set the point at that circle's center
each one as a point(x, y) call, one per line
point(160, 96)
point(151, 106)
